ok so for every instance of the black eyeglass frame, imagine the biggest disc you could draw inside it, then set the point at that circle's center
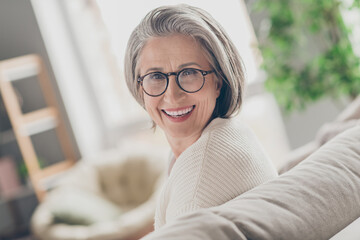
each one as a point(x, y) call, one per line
point(167, 75)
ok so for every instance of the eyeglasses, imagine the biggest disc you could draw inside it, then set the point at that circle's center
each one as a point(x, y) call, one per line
point(190, 80)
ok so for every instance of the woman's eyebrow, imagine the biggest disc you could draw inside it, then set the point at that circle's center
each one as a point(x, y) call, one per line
point(156, 69)
point(159, 69)
point(188, 64)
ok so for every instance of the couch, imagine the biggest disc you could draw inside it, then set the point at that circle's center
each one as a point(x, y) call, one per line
point(317, 199)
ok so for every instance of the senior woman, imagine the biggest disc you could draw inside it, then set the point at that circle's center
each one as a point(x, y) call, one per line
point(181, 66)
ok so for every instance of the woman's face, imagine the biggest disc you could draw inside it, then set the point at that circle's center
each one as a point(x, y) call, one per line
point(178, 113)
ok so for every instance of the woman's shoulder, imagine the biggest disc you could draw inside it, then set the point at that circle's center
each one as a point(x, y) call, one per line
point(227, 126)
point(221, 138)
point(231, 137)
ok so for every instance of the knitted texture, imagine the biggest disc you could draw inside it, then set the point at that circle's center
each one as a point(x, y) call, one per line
point(226, 161)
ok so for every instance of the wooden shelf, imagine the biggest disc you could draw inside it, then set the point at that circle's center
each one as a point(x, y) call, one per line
point(55, 168)
point(39, 121)
point(39, 114)
point(20, 68)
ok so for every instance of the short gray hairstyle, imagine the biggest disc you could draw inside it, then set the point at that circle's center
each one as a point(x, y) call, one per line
point(200, 25)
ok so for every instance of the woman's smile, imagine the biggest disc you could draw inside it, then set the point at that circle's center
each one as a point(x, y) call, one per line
point(178, 114)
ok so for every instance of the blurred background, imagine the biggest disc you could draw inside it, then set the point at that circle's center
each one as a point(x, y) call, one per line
point(68, 105)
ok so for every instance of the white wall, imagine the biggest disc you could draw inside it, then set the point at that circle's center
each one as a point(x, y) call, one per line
point(301, 126)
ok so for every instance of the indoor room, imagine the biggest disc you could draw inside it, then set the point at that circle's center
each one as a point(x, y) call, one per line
point(262, 141)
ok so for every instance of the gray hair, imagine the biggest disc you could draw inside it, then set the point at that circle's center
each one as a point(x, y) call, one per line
point(200, 25)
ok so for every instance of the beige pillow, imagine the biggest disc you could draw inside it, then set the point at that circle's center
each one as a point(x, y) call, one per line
point(80, 207)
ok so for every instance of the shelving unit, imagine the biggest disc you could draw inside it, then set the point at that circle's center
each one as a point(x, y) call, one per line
point(28, 125)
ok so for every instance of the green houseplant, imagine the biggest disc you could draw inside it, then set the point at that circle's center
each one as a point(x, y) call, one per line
point(307, 54)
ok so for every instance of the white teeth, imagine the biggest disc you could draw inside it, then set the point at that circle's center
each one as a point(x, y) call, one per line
point(179, 113)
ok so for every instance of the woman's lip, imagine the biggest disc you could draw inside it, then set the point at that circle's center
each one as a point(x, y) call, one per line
point(177, 109)
point(179, 119)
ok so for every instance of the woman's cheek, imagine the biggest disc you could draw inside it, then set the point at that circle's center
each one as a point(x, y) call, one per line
point(151, 108)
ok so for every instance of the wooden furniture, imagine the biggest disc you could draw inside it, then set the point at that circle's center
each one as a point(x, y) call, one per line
point(27, 124)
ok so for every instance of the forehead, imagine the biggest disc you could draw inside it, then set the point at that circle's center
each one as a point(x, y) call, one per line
point(170, 52)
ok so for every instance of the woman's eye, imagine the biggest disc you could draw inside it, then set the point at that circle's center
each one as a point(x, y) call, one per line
point(156, 76)
point(189, 72)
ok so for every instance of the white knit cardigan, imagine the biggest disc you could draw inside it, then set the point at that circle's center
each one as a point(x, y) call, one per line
point(226, 161)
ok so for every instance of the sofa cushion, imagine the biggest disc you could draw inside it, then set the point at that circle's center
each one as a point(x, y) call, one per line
point(125, 182)
point(80, 207)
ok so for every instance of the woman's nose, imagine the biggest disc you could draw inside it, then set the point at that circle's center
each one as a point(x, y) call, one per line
point(174, 93)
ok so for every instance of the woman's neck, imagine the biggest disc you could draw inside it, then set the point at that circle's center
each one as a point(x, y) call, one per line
point(180, 144)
